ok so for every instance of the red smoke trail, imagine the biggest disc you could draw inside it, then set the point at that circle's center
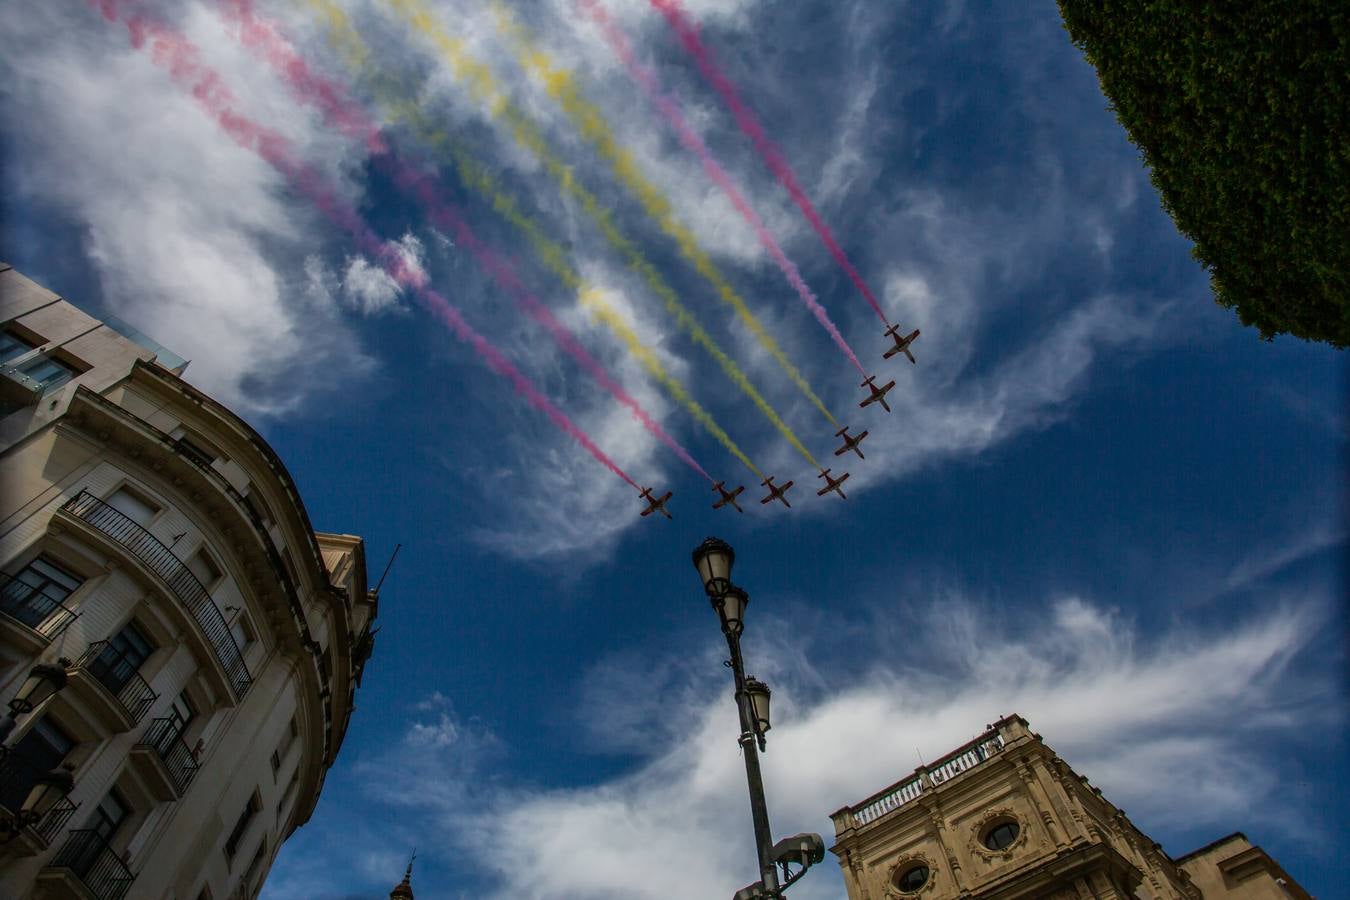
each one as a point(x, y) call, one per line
point(179, 57)
point(687, 32)
point(332, 100)
point(694, 144)
point(341, 112)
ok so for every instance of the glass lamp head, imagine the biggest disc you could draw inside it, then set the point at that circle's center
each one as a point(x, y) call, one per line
point(730, 606)
point(759, 703)
point(43, 680)
point(713, 559)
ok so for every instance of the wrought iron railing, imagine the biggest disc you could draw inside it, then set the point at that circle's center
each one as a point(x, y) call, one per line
point(88, 856)
point(954, 763)
point(117, 672)
point(176, 576)
point(165, 737)
point(33, 607)
point(56, 818)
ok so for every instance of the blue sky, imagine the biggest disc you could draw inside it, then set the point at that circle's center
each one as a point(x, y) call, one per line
point(1100, 502)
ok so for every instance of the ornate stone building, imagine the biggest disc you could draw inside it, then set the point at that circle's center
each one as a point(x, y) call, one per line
point(179, 648)
point(1004, 818)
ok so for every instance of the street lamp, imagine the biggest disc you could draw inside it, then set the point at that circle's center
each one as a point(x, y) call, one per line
point(713, 560)
point(43, 680)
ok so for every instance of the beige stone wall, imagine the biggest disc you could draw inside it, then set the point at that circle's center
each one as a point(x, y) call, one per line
point(1235, 869)
point(302, 596)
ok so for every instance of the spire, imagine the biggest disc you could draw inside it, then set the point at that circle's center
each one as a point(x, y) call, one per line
point(404, 888)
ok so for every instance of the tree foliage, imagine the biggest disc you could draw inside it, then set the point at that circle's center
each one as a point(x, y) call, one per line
point(1241, 112)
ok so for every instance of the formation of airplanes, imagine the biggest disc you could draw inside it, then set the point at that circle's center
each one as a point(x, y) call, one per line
point(877, 394)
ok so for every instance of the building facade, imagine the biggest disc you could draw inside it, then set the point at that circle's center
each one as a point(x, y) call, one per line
point(156, 558)
point(1004, 818)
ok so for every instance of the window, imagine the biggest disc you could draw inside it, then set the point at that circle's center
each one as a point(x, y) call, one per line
point(181, 712)
point(39, 751)
point(37, 590)
point(134, 505)
point(292, 732)
point(204, 567)
point(251, 809)
point(122, 657)
point(109, 815)
point(1001, 835)
point(912, 879)
point(12, 346)
point(48, 372)
point(254, 865)
point(242, 631)
point(198, 448)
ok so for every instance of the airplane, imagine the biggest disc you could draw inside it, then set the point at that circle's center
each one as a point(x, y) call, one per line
point(901, 343)
point(878, 393)
point(776, 492)
point(832, 484)
point(850, 443)
point(656, 504)
point(727, 496)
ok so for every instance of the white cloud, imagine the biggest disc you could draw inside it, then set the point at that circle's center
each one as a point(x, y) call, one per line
point(190, 234)
point(1178, 728)
point(371, 290)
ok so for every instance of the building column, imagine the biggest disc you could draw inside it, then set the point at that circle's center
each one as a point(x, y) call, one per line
point(939, 823)
point(1040, 802)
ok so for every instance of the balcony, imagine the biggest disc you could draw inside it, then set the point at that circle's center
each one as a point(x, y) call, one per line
point(925, 779)
point(108, 683)
point(86, 866)
point(163, 760)
point(175, 575)
point(17, 776)
point(31, 618)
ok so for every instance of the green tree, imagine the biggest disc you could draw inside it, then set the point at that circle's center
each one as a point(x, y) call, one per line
point(1240, 109)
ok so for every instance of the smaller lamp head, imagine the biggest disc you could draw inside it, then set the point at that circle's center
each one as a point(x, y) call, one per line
point(759, 693)
point(713, 559)
point(730, 606)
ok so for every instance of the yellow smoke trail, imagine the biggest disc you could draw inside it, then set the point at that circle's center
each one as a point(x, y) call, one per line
point(399, 109)
point(588, 120)
point(482, 86)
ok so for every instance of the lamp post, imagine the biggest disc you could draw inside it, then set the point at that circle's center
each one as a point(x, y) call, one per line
point(713, 559)
point(43, 680)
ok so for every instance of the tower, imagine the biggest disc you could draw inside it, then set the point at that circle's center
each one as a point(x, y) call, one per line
point(1004, 818)
point(403, 890)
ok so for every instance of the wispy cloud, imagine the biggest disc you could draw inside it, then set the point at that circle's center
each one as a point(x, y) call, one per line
point(1179, 726)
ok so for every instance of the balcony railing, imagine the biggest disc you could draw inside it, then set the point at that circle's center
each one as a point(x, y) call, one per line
point(175, 575)
point(896, 796)
point(29, 605)
point(112, 669)
point(55, 819)
point(86, 854)
point(165, 736)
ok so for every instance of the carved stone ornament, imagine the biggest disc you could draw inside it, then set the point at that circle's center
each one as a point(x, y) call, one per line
point(905, 863)
point(987, 821)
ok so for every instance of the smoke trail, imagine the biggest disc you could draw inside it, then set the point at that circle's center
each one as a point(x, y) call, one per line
point(338, 110)
point(688, 35)
point(180, 58)
point(668, 108)
point(353, 49)
point(588, 120)
point(483, 87)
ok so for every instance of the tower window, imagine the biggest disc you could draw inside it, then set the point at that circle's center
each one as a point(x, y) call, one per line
point(912, 879)
point(1001, 835)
